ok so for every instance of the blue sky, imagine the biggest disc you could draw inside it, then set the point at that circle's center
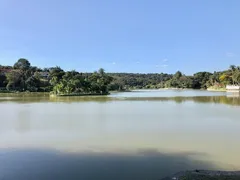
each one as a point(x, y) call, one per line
point(122, 35)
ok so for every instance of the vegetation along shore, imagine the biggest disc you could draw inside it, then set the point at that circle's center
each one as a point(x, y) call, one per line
point(22, 77)
point(205, 175)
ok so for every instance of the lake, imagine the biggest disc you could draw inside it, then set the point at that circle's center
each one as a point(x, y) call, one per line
point(142, 135)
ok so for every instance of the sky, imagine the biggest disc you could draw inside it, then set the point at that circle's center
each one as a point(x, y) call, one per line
point(140, 36)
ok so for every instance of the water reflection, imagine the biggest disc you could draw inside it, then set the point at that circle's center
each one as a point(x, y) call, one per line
point(23, 121)
point(100, 137)
point(50, 165)
point(230, 99)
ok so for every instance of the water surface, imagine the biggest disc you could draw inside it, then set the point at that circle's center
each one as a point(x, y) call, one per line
point(136, 135)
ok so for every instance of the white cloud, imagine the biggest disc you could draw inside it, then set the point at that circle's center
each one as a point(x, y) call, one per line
point(230, 54)
point(165, 60)
point(113, 63)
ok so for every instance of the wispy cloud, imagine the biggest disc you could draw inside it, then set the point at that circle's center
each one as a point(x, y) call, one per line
point(113, 63)
point(165, 60)
point(230, 54)
point(164, 65)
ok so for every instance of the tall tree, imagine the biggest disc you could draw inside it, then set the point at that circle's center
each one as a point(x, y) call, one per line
point(200, 79)
point(2, 80)
point(56, 75)
point(14, 79)
point(22, 64)
point(177, 75)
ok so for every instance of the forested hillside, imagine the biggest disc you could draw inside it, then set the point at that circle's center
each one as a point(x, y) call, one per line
point(24, 77)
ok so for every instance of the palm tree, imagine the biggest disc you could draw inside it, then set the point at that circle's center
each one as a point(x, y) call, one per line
point(233, 74)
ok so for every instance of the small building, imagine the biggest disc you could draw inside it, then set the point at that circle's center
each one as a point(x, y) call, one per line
point(232, 88)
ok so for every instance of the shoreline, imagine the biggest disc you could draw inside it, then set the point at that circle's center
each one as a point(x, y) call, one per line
point(98, 94)
point(217, 89)
point(205, 175)
point(87, 94)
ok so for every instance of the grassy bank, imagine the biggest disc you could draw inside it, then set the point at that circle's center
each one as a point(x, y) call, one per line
point(85, 94)
point(214, 88)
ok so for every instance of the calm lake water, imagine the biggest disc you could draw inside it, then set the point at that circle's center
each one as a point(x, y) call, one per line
point(142, 135)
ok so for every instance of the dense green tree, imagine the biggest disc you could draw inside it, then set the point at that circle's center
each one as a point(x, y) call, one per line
point(22, 64)
point(236, 76)
point(74, 82)
point(100, 81)
point(2, 77)
point(231, 76)
point(177, 75)
point(14, 79)
point(2, 80)
point(33, 84)
point(186, 82)
point(213, 79)
point(179, 80)
point(200, 80)
point(117, 84)
point(56, 75)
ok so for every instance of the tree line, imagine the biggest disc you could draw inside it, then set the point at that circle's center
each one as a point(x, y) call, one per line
point(200, 80)
point(24, 77)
